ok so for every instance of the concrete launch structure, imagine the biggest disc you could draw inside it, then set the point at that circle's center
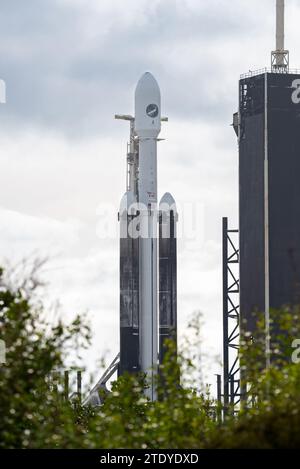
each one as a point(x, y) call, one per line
point(267, 125)
point(147, 245)
point(268, 129)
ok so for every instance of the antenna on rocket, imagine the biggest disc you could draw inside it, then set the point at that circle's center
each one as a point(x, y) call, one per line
point(280, 57)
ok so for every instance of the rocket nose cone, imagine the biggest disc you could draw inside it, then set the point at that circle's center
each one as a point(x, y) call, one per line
point(147, 106)
point(147, 83)
point(167, 202)
point(167, 198)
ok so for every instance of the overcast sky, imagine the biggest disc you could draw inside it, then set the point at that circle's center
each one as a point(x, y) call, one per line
point(69, 66)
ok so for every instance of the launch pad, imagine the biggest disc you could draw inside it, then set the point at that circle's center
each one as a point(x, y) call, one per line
point(267, 253)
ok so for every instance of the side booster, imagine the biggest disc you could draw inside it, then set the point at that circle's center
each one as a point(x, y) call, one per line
point(167, 273)
point(142, 329)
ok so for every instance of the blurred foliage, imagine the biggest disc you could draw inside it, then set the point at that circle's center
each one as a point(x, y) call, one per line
point(34, 413)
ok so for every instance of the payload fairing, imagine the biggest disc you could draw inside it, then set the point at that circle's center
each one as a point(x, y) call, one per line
point(147, 273)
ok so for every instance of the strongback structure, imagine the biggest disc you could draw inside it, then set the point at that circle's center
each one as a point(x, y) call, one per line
point(129, 263)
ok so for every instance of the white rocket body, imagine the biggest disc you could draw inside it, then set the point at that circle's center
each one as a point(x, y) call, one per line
point(147, 128)
point(140, 336)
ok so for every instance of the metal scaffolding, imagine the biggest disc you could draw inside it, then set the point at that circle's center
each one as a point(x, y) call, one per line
point(280, 57)
point(231, 319)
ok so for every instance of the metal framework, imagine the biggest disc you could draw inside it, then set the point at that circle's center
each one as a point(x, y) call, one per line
point(231, 319)
point(93, 397)
point(262, 71)
point(280, 57)
point(280, 61)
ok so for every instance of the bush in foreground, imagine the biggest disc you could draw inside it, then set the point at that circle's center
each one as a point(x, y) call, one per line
point(35, 415)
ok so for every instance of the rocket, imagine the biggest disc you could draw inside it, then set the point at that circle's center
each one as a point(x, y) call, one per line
point(148, 257)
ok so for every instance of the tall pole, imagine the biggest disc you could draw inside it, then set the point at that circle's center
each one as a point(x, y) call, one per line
point(280, 32)
point(279, 26)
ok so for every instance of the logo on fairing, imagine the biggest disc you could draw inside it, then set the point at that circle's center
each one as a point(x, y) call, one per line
point(152, 110)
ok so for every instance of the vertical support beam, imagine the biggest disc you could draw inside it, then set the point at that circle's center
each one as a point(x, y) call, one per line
point(219, 388)
point(55, 378)
point(280, 29)
point(225, 315)
point(266, 227)
point(231, 318)
point(219, 398)
point(232, 390)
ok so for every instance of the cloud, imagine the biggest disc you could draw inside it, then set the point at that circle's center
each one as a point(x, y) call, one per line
point(83, 281)
point(51, 191)
point(71, 66)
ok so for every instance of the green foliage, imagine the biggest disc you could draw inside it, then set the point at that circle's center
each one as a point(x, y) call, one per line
point(35, 415)
point(273, 421)
point(270, 416)
point(284, 327)
point(178, 419)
